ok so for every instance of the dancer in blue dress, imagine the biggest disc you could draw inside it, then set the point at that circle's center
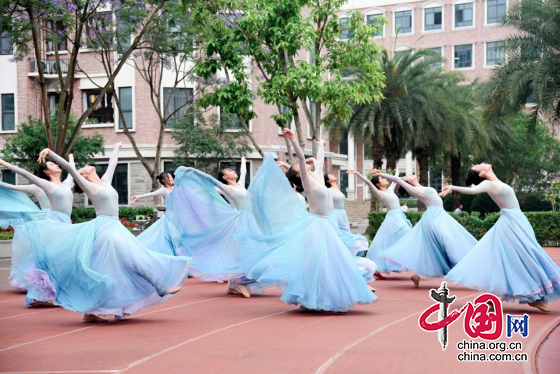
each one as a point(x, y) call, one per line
point(437, 242)
point(98, 267)
point(59, 199)
point(300, 252)
point(394, 226)
point(206, 224)
point(508, 261)
point(16, 208)
point(160, 236)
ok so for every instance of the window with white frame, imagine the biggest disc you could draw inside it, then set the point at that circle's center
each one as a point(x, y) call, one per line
point(375, 20)
point(346, 32)
point(495, 53)
point(103, 113)
point(57, 30)
point(464, 15)
point(8, 112)
point(125, 101)
point(495, 10)
point(463, 56)
point(6, 45)
point(403, 22)
point(343, 177)
point(169, 167)
point(438, 51)
point(343, 146)
point(433, 18)
point(179, 104)
point(8, 176)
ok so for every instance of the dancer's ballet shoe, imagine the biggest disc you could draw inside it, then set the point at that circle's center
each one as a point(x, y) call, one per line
point(41, 304)
point(379, 276)
point(540, 307)
point(244, 291)
point(307, 310)
point(371, 288)
point(231, 291)
point(91, 318)
point(173, 291)
point(416, 281)
point(191, 276)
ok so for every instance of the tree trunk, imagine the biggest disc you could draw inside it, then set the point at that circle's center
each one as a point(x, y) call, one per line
point(423, 158)
point(455, 179)
point(391, 152)
point(377, 152)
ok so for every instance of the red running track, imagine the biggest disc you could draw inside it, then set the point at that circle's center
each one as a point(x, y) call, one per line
point(203, 330)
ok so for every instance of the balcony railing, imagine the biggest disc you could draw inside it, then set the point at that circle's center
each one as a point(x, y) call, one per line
point(49, 66)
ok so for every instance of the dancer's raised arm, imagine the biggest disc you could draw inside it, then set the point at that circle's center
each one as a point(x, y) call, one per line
point(371, 186)
point(301, 159)
point(108, 176)
point(414, 191)
point(39, 182)
point(69, 181)
point(319, 163)
point(243, 172)
point(393, 185)
point(484, 187)
point(218, 185)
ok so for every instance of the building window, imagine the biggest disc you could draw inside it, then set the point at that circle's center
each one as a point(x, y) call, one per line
point(438, 51)
point(230, 121)
point(375, 21)
point(8, 176)
point(495, 10)
point(312, 56)
point(124, 38)
point(343, 146)
point(463, 56)
point(103, 112)
point(236, 166)
point(98, 28)
point(57, 31)
point(436, 179)
point(403, 22)
point(6, 45)
point(346, 32)
point(495, 54)
point(464, 15)
point(8, 112)
point(179, 105)
point(125, 100)
point(119, 182)
point(433, 18)
point(169, 167)
point(343, 184)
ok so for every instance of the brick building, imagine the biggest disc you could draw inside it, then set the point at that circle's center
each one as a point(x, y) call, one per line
point(465, 32)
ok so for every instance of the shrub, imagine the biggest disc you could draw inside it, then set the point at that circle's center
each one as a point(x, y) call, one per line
point(80, 215)
point(545, 224)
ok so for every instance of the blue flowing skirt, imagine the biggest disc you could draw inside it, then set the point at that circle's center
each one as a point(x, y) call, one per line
point(161, 237)
point(394, 227)
point(99, 267)
point(357, 244)
point(23, 265)
point(16, 208)
point(309, 262)
point(434, 246)
point(509, 262)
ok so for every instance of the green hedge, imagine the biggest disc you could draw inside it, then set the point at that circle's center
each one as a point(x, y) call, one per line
point(545, 224)
point(80, 215)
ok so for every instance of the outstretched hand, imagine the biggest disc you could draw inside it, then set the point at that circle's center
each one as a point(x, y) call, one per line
point(445, 191)
point(133, 199)
point(351, 172)
point(117, 145)
point(44, 153)
point(376, 173)
point(288, 134)
point(321, 142)
point(71, 157)
point(283, 164)
point(310, 160)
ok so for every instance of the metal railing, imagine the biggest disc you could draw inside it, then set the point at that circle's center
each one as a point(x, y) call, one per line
point(49, 66)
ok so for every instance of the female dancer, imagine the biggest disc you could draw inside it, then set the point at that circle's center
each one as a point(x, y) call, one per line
point(437, 242)
point(60, 198)
point(300, 252)
point(508, 260)
point(394, 226)
point(206, 225)
point(99, 267)
point(160, 236)
point(356, 243)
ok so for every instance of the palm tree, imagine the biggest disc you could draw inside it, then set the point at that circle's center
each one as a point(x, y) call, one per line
point(532, 69)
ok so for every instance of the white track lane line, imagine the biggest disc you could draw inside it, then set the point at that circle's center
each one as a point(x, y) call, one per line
point(6, 301)
point(323, 368)
point(147, 358)
point(27, 314)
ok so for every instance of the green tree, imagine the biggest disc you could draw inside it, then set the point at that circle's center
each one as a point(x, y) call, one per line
point(552, 195)
point(23, 147)
point(532, 68)
point(204, 143)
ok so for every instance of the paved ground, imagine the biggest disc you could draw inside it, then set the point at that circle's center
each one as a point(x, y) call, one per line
point(203, 330)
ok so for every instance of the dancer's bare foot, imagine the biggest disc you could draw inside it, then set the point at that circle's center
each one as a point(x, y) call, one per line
point(244, 291)
point(91, 318)
point(231, 291)
point(173, 291)
point(371, 288)
point(379, 276)
point(416, 280)
point(41, 304)
point(540, 307)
